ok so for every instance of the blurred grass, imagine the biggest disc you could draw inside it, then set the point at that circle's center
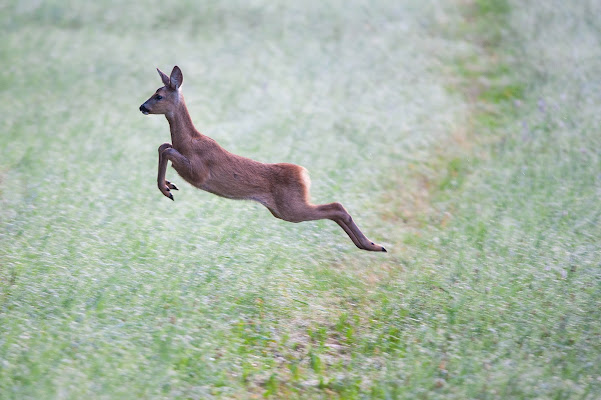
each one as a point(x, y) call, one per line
point(454, 133)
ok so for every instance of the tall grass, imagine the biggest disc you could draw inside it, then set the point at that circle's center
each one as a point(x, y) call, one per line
point(108, 290)
point(456, 135)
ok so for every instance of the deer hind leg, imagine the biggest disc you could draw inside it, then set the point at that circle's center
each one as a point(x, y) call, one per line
point(309, 212)
point(296, 208)
point(337, 213)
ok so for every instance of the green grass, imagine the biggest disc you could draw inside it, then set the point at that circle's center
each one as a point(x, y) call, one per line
point(461, 136)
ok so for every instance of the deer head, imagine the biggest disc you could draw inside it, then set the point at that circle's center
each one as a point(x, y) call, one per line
point(166, 98)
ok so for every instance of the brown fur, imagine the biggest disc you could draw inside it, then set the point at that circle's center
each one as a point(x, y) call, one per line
point(283, 188)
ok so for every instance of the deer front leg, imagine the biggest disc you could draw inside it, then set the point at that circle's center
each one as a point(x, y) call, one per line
point(166, 153)
point(161, 182)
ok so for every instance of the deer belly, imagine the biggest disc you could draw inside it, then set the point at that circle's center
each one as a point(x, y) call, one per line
point(233, 188)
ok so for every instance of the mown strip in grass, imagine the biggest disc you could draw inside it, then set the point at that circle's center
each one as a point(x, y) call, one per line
point(500, 292)
point(510, 226)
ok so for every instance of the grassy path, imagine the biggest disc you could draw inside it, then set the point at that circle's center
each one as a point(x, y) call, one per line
point(455, 133)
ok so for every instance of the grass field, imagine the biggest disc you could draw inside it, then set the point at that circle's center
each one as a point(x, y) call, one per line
point(461, 135)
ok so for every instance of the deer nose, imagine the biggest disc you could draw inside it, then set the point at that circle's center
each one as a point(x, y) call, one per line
point(144, 109)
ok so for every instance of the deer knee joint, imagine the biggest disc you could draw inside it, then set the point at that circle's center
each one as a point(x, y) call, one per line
point(164, 147)
point(341, 211)
point(173, 155)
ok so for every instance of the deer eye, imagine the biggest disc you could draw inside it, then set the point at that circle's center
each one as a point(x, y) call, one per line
point(159, 97)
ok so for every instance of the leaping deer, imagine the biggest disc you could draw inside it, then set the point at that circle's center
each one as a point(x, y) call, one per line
point(283, 188)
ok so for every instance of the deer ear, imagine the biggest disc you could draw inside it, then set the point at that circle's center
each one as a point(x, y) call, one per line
point(164, 78)
point(177, 78)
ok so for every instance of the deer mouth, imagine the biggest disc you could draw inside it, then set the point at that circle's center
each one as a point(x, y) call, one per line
point(144, 110)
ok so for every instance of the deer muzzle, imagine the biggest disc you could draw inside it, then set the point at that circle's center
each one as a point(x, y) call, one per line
point(144, 110)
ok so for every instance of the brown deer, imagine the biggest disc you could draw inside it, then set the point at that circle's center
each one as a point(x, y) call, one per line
point(282, 188)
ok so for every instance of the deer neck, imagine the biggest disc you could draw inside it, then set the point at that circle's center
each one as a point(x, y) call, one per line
point(180, 124)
